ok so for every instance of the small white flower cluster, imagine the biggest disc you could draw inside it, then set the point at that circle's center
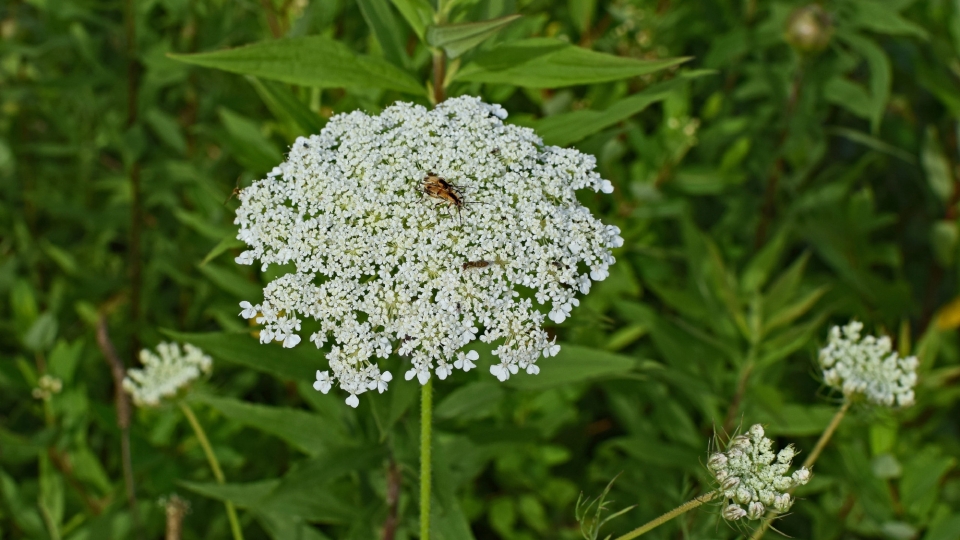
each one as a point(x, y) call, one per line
point(750, 482)
point(47, 386)
point(386, 266)
point(868, 366)
point(162, 376)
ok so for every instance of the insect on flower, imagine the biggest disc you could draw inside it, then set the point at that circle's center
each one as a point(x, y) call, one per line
point(439, 188)
point(475, 264)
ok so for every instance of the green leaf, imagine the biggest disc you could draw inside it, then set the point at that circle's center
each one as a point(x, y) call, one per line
point(795, 420)
point(758, 270)
point(418, 13)
point(309, 61)
point(936, 166)
point(309, 432)
point(553, 63)
point(248, 144)
point(568, 128)
point(471, 401)
point(944, 529)
point(246, 495)
point(872, 143)
point(227, 243)
point(849, 95)
point(166, 129)
point(285, 527)
point(286, 107)
point(298, 363)
point(456, 39)
point(380, 19)
point(921, 477)
point(581, 13)
point(879, 16)
point(573, 364)
point(881, 78)
point(230, 281)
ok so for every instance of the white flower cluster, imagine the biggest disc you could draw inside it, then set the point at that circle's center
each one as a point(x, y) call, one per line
point(750, 481)
point(385, 265)
point(868, 366)
point(162, 376)
point(46, 387)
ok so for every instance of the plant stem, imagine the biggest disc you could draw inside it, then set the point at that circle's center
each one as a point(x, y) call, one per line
point(682, 509)
point(811, 459)
point(214, 465)
point(439, 74)
point(426, 419)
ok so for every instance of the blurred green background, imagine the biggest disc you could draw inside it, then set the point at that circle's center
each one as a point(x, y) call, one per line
point(800, 170)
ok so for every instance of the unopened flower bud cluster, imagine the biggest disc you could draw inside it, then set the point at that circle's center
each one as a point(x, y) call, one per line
point(46, 387)
point(754, 481)
point(382, 266)
point(164, 375)
point(868, 366)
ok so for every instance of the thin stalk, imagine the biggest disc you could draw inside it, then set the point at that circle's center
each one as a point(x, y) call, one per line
point(811, 459)
point(214, 465)
point(439, 74)
point(680, 510)
point(426, 420)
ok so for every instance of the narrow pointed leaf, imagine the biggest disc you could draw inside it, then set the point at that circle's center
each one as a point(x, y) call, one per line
point(286, 107)
point(418, 13)
point(384, 27)
point(456, 39)
point(568, 128)
point(298, 363)
point(308, 61)
point(553, 63)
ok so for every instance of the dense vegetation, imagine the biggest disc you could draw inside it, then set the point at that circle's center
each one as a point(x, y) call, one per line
point(800, 170)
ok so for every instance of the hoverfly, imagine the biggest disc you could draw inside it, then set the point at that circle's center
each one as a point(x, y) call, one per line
point(236, 192)
point(475, 264)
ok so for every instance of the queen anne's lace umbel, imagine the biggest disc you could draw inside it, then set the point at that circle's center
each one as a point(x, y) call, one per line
point(868, 366)
point(752, 479)
point(382, 266)
point(164, 375)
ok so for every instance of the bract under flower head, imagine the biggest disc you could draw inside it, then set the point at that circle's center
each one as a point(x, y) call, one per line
point(164, 375)
point(868, 366)
point(752, 480)
point(381, 265)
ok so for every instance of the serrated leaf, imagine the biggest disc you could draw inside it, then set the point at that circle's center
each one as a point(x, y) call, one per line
point(298, 363)
point(567, 128)
point(419, 15)
point(573, 364)
point(553, 63)
point(286, 107)
point(456, 39)
point(309, 432)
point(380, 19)
point(309, 61)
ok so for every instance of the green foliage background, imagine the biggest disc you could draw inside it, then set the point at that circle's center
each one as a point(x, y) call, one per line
point(765, 193)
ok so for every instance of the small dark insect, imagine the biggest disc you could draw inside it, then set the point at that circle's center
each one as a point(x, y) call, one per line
point(305, 145)
point(495, 151)
point(236, 192)
point(475, 264)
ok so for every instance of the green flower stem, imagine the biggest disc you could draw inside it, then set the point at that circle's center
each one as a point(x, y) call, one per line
point(426, 419)
point(214, 465)
point(682, 509)
point(811, 459)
